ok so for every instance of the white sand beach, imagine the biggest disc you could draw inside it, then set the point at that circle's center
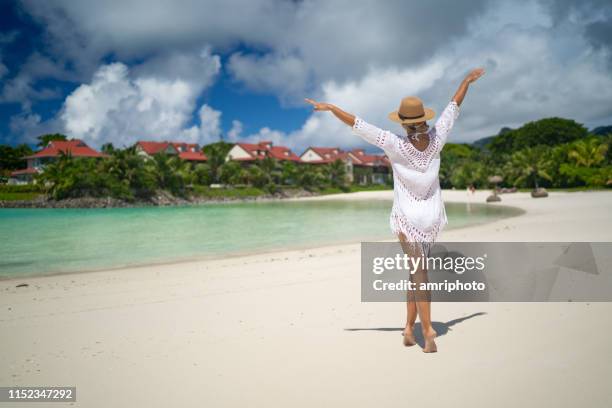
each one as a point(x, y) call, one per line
point(288, 329)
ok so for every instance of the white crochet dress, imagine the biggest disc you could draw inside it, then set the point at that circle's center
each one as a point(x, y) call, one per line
point(418, 210)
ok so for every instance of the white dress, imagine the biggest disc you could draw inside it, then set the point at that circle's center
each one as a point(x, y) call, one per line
point(418, 210)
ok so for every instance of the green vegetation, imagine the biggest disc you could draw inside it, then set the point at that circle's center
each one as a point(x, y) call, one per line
point(554, 153)
point(128, 176)
point(551, 153)
point(11, 158)
point(22, 192)
point(18, 196)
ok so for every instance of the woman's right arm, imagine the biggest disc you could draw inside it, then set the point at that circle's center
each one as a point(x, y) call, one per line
point(346, 117)
point(368, 132)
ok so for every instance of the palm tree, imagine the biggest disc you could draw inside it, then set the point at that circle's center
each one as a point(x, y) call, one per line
point(257, 176)
point(56, 177)
point(337, 173)
point(216, 153)
point(271, 169)
point(172, 173)
point(202, 174)
point(308, 177)
point(588, 152)
point(529, 164)
point(288, 172)
point(230, 172)
point(125, 167)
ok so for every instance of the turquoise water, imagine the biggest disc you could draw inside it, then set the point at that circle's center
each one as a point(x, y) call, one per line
point(45, 241)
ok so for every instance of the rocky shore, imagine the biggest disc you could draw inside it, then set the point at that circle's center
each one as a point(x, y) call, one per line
point(160, 199)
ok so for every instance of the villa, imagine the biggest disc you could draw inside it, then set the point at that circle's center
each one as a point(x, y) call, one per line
point(186, 151)
point(249, 152)
point(361, 168)
point(53, 150)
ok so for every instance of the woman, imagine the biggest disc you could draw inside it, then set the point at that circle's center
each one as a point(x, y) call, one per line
point(418, 214)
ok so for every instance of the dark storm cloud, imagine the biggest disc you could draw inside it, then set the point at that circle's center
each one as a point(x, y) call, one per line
point(594, 15)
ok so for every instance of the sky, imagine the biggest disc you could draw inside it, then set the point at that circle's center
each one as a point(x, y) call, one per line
point(119, 71)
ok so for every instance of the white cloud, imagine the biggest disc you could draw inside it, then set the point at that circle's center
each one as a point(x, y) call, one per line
point(208, 130)
point(284, 75)
point(530, 75)
point(302, 41)
point(153, 103)
point(542, 57)
point(235, 131)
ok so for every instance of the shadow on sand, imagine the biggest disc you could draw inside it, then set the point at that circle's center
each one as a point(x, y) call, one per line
point(440, 327)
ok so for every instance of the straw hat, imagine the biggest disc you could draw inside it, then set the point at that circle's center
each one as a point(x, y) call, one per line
point(411, 110)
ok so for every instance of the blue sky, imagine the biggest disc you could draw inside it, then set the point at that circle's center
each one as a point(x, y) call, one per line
point(24, 36)
point(120, 71)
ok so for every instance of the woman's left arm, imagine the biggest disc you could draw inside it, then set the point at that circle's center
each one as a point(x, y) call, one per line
point(447, 118)
point(463, 88)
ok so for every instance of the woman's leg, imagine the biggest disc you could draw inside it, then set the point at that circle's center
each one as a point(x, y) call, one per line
point(411, 306)
point(411, 310)
point(422, 297)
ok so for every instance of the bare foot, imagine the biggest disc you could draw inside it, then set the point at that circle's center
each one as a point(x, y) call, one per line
point(430, 344)
point(409, 339)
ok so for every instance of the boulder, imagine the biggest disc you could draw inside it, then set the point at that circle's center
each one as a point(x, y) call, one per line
point(539, 192)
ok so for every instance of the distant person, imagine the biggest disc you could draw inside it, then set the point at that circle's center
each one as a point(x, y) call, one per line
point(418, 213)
point(471, 191)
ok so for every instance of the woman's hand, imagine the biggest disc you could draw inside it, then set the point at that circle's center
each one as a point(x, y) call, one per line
point(319, 106)
point(463, 87)
point(347, 118)
point(474, 75)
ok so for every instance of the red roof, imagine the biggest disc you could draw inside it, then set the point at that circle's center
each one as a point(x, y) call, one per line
point(328, 154)
point(193, 156)
point(152, 148)
point(186, 147)
point(186, 151)
point(265, 149)
point(29, 170)
point(369, 159)
point(358, 156)
point(283, 153)
point(322, 151)
point(74, 147)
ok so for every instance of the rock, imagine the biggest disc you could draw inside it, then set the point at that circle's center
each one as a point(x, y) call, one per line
point(539, 193)
point(493, 198)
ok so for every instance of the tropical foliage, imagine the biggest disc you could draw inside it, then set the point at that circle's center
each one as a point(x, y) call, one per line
point(128, 175)
point(551, 152)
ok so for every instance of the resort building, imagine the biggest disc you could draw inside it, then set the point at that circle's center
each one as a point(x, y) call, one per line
point(249, 152)
point(53, 150)
point(370, 168)
point(186, 151)
point(361, 168)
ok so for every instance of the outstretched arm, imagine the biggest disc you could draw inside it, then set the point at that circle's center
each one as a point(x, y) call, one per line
point(447, 118)
point(346, 117)
point(368, 132)
point(463, 88)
